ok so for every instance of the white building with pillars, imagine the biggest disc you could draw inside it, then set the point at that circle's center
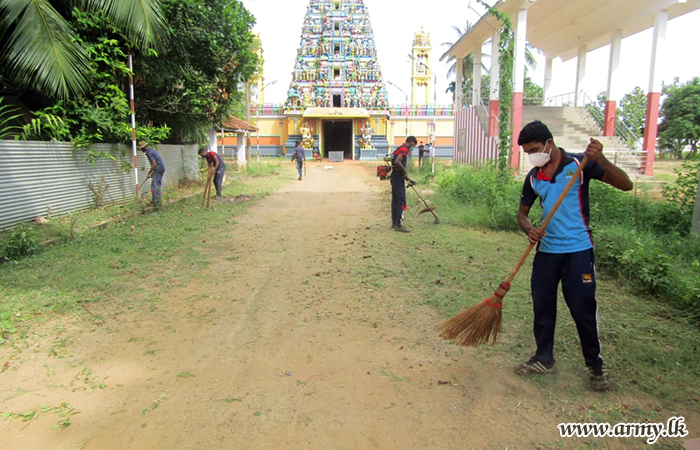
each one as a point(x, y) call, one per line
point(566, 29)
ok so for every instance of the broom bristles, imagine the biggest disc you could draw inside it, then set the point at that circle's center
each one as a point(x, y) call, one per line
point(479, 324)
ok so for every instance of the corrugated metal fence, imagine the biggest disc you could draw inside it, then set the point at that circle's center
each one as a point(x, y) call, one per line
point(38, 176)
point(472, 145)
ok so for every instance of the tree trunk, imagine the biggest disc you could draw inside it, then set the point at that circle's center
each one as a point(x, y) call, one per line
point(693, 150)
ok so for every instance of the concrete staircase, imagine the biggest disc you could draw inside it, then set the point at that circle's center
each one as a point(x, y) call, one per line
point(572, 127)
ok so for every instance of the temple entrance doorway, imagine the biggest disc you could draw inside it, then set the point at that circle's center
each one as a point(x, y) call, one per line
point(337, 137)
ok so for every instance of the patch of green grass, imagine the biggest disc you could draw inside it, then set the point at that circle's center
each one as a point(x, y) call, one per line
point(265, 167)
point(650, 349)
point(136, 257)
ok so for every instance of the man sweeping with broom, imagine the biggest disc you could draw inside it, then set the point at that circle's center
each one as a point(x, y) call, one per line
point(564, 249)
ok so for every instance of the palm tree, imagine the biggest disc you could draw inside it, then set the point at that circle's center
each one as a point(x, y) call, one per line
point(467, 63)
point(38, 45)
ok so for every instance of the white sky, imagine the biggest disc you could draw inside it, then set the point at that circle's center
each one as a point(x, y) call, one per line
point(394, 23)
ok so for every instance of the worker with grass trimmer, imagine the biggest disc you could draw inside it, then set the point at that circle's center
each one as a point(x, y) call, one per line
point(399, 176)
point(156, 171)
point(565, 248)
point(216, 164)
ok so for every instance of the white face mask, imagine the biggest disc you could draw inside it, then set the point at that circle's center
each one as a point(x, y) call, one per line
point(539, 159)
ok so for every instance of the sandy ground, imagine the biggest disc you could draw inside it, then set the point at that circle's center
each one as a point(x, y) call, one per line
point(284, 350)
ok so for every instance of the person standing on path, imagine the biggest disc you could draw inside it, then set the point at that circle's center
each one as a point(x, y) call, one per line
point(421, 150)
point(299, 157)
point(216, 163)
point(156, 171)
point(426, 150)
point(565, 249)
point(399, 176)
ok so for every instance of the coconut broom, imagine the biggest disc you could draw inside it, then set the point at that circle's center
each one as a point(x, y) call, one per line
point(481, 323)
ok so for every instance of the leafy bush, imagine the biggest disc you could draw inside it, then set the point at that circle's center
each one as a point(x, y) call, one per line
point(684, 191)
point(495, 193)
point(610, 206)
point(647, 243)
point(661, 266)
point(22, 242)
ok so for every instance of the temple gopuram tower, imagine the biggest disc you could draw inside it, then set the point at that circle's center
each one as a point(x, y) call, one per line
point(337, 99)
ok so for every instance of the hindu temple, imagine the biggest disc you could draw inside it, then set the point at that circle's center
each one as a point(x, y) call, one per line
point(337, 104)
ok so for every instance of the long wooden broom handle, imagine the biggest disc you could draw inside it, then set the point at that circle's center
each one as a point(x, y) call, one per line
point(207, 188)
point(549, 216)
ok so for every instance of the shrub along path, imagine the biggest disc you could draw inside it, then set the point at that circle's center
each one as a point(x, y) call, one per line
point(299, 320)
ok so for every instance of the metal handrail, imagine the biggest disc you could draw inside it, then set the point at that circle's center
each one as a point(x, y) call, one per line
point(482, 112)
point(621, 129)
point(559, 100)
point(598, 115)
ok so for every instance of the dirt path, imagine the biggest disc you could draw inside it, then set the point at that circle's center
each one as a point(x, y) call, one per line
point(286, 350)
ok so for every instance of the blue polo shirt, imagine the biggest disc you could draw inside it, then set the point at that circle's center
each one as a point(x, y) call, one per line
point(299, 153)
point(153, 155)
point(568, 231)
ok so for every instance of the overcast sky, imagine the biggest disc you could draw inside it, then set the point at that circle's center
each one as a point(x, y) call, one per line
point(394, 23)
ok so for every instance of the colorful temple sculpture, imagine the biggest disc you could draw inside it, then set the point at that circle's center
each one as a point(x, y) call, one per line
point(337, 93)
point(337, 102)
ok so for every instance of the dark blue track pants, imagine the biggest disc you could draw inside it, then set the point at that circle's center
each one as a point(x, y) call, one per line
point(156, 184)
point(219, 178)
point(577, 275)
point(398, 200)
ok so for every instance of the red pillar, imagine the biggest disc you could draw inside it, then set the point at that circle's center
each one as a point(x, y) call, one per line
point(517, 126)
point(650, 132)
point(610, 116)
point(493, 118)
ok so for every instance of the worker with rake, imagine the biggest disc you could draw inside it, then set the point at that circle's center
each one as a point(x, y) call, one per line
point(399, 176)
point(564, 248)
point(155, 172)
point(215, 164)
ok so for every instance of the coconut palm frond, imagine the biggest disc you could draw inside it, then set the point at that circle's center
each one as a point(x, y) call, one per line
point(143, 20)
point(530, 60)
point(40, 49)
point(8, 116)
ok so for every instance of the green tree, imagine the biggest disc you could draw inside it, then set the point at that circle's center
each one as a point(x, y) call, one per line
point(630, 114)
point(680, 116)
point(632, 111)
point(533, 95)
point(102, 113)
point(38, 47)
point(467, 63)
point(198, 80)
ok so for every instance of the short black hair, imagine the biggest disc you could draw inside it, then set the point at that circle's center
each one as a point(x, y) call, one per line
point(534, 131)
point(411, 139)
point(298, 142)
point(202, 150)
